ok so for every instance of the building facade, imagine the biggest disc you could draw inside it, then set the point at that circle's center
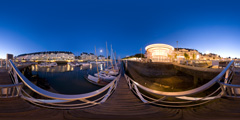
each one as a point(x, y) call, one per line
point(167, 53)
point(185, 53)
point(88, 57)
point(159, 53)
point(49, 55)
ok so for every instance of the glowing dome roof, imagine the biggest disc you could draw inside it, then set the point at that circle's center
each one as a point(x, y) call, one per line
point(159, 46)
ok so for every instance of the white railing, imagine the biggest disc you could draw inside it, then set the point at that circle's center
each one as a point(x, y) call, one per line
point(61, 101)
point(230, 90)
point(184, 98)
point(9, 91)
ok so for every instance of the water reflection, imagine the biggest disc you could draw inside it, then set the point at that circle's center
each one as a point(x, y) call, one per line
point(90, 66)
point(170, 83)
point(66, 79)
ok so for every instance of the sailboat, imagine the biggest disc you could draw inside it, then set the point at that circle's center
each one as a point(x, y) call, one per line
point(113, 69)
point(85, 64)
point(97, 80)
point(110, 72)
point(73, 64)
point(46, 64)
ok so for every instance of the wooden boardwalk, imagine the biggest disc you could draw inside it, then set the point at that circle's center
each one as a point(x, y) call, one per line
point(4, 77)
point(122, 105)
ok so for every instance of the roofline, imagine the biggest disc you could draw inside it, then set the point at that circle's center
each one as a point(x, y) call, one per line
point(160, 45)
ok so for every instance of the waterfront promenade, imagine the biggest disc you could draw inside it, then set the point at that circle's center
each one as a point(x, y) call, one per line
point(122, 104)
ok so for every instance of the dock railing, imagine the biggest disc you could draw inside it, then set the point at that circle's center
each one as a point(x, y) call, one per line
point(10, 91)
point(60, 101)
point(197, 96)
point(231, 90)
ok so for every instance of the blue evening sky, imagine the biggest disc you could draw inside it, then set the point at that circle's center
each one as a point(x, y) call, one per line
point(78, 25)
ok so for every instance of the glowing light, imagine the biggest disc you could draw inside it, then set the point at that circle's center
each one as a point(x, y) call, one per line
point(68, 67)
point(101, 51)
point(197, 56)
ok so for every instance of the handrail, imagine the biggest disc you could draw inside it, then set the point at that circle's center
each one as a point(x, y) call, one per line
point(45, 93)
point(184, 98)
point(188, 92)
point(11, 90)
point(62, 97)
point(10, 85)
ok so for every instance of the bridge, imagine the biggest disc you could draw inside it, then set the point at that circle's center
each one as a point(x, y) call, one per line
point(121, 99)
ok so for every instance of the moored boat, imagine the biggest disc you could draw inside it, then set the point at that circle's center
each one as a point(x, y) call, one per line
point(73, 64)
point(104, 76)
point(85, 64)
point(46, 64)
point(96, 80)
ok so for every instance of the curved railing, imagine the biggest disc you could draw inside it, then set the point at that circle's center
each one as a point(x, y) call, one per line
point(231, 90)
point(183, 98)
point(61, 101)
point(9, 91)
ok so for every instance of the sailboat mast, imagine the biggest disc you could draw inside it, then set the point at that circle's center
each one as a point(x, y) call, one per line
point(107, 53)
point(115, 56)
point(96, 63)
point(111, 57)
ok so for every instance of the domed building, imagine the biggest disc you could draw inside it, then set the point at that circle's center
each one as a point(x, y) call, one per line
point(159, 52)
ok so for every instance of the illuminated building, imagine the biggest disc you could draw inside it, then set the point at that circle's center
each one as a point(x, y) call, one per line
point(86, 57)
point(49, 55)
point(159, 52)
point(191, 53)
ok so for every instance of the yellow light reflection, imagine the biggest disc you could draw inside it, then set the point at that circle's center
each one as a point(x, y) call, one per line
point(33, 68)
point(90, 66)
point(36, 66)
point(81, 68)
point(101, 66)
point(48, 69)
point(68, 67)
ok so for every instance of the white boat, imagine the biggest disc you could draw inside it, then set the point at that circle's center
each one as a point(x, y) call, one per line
point(45, 64)
point(98, 62)
point(104, 76)
point(85, 64)
point(53, 64)
point(96, 80)
point(73, 64)
point(111, 71)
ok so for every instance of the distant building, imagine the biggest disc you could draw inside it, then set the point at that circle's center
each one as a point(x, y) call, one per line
point(159, 52)
point(167, 53)
point(88, 57)
point(101, 57)
point(92, 56)
point(49, 55)
point(84, 56)
point(211, 56)
point(191, 54)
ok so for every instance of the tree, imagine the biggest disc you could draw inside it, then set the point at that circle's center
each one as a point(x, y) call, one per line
point(186, 56)
point(169, 56)
point(194, 56)
point(139, 55)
